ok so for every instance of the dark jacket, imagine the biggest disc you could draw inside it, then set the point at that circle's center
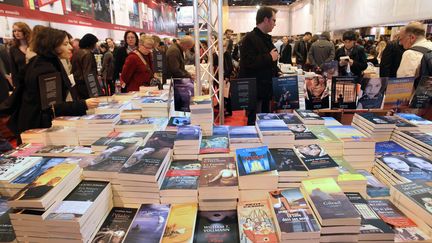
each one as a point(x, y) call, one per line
point(175, 63)
point(107, 70)
point(30, 114)
point(301, 49)
point(135, 73)
point(17, 64)
point(83, 64)
point(228, 66)
point(285, 54)
point(390, 59)
point(256, 61)
point(320, 52)
point(120, 57)
point(358, 55)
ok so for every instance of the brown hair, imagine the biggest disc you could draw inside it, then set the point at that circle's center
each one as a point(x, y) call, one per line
point(264, 12)
point(47, 41)
point(34, 33)
point(26, 31)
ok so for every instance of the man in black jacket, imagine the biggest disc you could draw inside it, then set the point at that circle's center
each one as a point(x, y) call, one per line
point(357, 57)
point(301, 48)
point(391, 58)
point(258, 59)
point(285, 51)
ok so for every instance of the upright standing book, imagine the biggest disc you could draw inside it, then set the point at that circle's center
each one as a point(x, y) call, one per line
point(423, 94)
point(285, 91)
point(398, 93)
point(344, 93)
point(183, 91)
point(316, 93)
point(50, 88)
point(372, 92)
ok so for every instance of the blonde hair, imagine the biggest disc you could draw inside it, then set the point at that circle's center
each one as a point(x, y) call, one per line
point(146, 39)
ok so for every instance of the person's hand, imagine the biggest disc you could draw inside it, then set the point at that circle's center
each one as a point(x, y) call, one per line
point(351, 62)
point(274, 54)
point(92, 103)
point(343, 62)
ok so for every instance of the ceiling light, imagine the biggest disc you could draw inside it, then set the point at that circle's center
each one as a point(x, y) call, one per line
point(257, 6)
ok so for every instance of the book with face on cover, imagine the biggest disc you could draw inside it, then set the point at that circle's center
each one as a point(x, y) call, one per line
point(411, 167)
point(218, 172)
point(301, 132)
point(181, 223)
point(110, 161)
point(371, 93)
point(316, 92)
point(423, 93)
point(254, 160)
point(217, 226)
point(115, 226)
point(149, 223)
point(314, 157)
point(289, 118)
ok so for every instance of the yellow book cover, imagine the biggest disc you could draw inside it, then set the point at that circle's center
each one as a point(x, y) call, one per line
point(180, 227)
point(44, 183)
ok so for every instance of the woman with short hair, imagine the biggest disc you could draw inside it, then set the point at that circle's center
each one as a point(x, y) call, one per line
point(131, 44)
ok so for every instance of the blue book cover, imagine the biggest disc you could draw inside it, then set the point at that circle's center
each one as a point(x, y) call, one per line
point(188, 133)
point(243, 132)
point(221, 130)
point(176, 121)
point(414, 119)
point(389, 148)
point(182, 174)
point(31, 174)
point(422, 137)
point(285, 92)
point(183, 92)
point(254, 160)
point(149, 224)
point(374, 187)
point(268, 116)
point(272, 125)
point(411, 167)
point(289, 118)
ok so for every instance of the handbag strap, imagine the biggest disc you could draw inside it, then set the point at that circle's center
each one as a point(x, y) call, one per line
point(143, 60)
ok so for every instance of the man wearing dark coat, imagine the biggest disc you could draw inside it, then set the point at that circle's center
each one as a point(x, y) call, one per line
point(285, 51)
point(357, 62)
point(258, 59)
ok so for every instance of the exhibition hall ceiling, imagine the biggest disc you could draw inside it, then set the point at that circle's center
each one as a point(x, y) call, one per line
point(241, 2)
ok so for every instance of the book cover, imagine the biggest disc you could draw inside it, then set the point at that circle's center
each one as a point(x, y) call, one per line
point(414, 119)
point(323, 134)
point(24, 150)
point(162, 139)
point(371, 223)
point(50, 90)
point(93, 85)
point(423, 94)
point(44, 183)
point(285, 92)
point(153, 100)
point(316, 92)
point(241, 92)
point(271, 125)
point(217, 227)
point(254, 160)
point(422, 137)
point(111, 141)
point(188, 133)
point(181, 223)
point(329, 200)
point(287, 160)
point(314, 157)
point(127, 134)
point(301, 132)
point(349, 134)
point(176, 121)
point(218, 172)
point(183, 91)
point(376, 119)
point(330, 69)
point(221, 130)
point(243, 132)
point(309, 115)
point(149, 224)
point(289, 118)
point(214, 144)
point(400, 122)
point(344, 93)
point(389, 148)
point(268, 116)
point(256, 222)
point(374, 187)
point(419, 193)
point(292, 212)
point(33, 172)
point(201, 100)
point(58, 150)
point(11, 167)
point(112, 159)
point(398, 93)
point(182, 174)
point(141, 121)
point(372, 92)
point(390, 213)
point(115, 226)
point(331, 121)
point(145, 161)
point(76, 204)
point(7, 233)
point(102, 118)
point(410, 167)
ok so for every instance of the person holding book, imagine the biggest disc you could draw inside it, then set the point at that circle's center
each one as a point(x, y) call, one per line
point(51, 45)
point(373, 93)
point(351, 58)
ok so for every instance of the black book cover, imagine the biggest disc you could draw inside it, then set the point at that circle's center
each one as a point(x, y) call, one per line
point(50, 88)
point(287, 160)
point(217, 227)
point(344, 93)
point(243, 93)
point(423, 94)
point(93, 86)
point(309, 115)
point(158, 61)
point(301, 132)
point(399, 122)
point(176, 121)
point(285, 92)
point(162, 139)
point(419, 193)
point(289, 118)
point(422, 137)
point(314, 157)
point(110, 141)
point(371, 223)
point(112, 159)
point(7, 233)
point(268, 116)
point(316, 93)
point(183, 91)
point(145, 160)
point(376, 119)
point(116, 224)
point(182, 174)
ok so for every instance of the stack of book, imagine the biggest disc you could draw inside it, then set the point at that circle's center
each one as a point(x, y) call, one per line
point(116, 225)
point(8, 233)
point(402, 124)
point(414, 200)
point(327, 140)
point(256, 223)
point(294, 219)
point(133, 113)
point(145, 89)
point(377, 127)
point(217, 226)
point(36, 135)
point(61, 136)
point(180, 184)
point(151, 106)
point(76, 218)
point(216, 145)
point(243, 137)
point(141, 124)
point(181, 223)
point(257, 173)
point(121, 138)
point(418, 142)
point(202, 113)
point(302, 134)
point(112, 107)
point(275, 133)
point(64, 151)
point(422, 124)
point(290, 168)
point(331, 121)
point(187, 143)
point(142, 175)
point(218, 184)
point(176, 121)
point(316, 160)
point(309, 117)
point(337, 216)
point(375, 189)
point(373, 228)
point(23, 150)
point(289, 118)
point(91, 127)
point(404, 228)
point(122, 97)
point(65, 121)
point(389, 148)
point(358, 149)
point(349, 180)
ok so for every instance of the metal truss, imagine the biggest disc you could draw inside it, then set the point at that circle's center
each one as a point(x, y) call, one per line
point(204, 13)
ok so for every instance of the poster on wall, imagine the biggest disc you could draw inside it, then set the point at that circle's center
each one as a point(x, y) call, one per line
point(82, 7)
point(120, 12)
point(142, 8)
point(19, 3)
point(102, 10)
point(134, 18)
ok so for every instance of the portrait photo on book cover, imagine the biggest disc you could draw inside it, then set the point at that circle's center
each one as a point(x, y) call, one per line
point(372, 93)
point(310, 151)
point(112, 158)
point(316, 92)
point(223, 177)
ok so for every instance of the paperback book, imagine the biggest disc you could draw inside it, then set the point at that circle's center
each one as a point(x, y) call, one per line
point(314, 157)
point(111, 160)
point(115, 226)
point(33, 172)
point(7, 233)
point(372, 92)
point(182, 175)
point(316, 93)
point(287, 160)
point(183, 91)
point(218, 172)
point(217, 227)
point(214, 144)
point(285, 92)
point(344, 93)
point(411, 167)
point(301, 132)
point(423, 94)
point(254, 160)
point(398, 93)
point(181, 223)
point(374, 188)
point(389, 148)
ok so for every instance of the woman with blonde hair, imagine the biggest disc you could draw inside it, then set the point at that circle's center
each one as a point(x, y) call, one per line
point(21, 38)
